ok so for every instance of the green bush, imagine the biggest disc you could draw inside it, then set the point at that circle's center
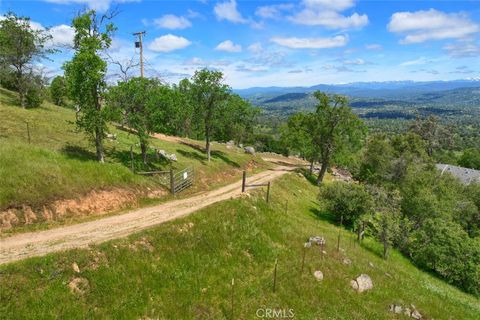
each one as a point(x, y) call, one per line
point(446, 248)
point(34, 97)
point(470, 159)
point(58, 91)
point(346, 199)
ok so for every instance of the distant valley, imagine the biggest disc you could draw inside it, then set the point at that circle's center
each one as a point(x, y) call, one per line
point(403, 100)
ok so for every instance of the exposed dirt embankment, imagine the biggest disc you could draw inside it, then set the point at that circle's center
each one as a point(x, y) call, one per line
point(81, 235)
point(93, 203)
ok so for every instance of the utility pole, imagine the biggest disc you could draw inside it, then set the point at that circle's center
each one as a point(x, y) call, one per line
point(139, 44)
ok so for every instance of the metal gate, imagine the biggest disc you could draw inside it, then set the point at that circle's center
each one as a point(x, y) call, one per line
point(182, 180)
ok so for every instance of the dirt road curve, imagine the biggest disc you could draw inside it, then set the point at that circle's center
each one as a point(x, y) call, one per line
point(80, 235)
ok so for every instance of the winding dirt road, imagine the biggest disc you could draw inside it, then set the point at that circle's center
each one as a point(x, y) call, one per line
point(80, 235)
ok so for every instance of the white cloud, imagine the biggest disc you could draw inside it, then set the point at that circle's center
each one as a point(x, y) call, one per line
point(100, 5)
point(255, 48)
point(168, 42)
point(170, 21)
point(327, 14)
point(62, 35)
point(357, 62)
point(273, 11)
point(462, 49)
point(337, 5)
point(228, 46)
point(419, 61)
point(373, 46)
point(424, 25)
point(311, 43)
point(228, 11)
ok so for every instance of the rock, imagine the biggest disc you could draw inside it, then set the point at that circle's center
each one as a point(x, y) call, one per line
point(111, 136)
point(8, 219)
point(415, 314)
point(164, 154)
point(347, 261)
point(362, 283)
point(250, 150)
point(78, 285)
point(396, 308)
point(318, 275)
point(29, 215)
point(75, 267)
point(317, 240)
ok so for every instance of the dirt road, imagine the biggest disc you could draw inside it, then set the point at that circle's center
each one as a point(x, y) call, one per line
point(80, 235)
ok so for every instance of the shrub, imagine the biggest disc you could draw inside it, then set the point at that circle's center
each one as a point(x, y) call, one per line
point(58, 91)
point(446, 248)
point(346, 199)
point(470, 159)
point(34, 97)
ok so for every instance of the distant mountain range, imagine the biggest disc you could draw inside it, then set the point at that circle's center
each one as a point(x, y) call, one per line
point(385, 90)
point(382, 100)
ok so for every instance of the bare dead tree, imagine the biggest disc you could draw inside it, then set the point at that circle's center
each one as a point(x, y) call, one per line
point(124, 67)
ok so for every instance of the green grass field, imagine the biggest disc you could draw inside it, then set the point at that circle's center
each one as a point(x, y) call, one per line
point(183, 270)
point(59, 162)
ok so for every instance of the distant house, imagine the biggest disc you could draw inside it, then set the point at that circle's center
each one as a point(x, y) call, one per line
point(465, 175)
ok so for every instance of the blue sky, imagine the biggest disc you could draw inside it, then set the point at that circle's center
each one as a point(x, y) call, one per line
point(281, 43)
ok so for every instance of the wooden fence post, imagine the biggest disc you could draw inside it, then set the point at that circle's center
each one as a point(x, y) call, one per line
point(275, 275)
point(28, 132)
point(303, 258)
point(172, 181)
point(244, 178)
point(268, 192)
point(339, 231)
point(233, 284)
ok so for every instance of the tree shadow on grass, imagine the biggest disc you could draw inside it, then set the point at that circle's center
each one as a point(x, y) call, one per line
point(324, 216)
point(78, 153)
point(216, 154)
point(153, 162)
point(222, 156)
point(193, 155)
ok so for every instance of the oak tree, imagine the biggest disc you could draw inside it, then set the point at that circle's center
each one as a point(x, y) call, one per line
point(85, 75)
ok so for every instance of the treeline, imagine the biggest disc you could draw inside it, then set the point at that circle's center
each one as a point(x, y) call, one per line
point(401, 198)
point(202, 107)
point(406, 202)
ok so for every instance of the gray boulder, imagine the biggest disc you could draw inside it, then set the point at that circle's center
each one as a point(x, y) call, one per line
point(362, 283)
point(250, 150)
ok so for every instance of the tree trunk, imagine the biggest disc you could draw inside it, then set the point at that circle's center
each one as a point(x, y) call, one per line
point(385, 249)
point(99, 144)
point(323, 170)
point(143, 147)
point(207, 146)
point(311, 166)
point(23, 102)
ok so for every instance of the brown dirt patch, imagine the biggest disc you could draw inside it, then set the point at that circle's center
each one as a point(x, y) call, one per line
point(93, 203)
point(79, 286)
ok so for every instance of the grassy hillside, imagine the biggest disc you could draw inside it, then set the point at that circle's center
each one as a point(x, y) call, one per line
point(183, 270)
point(60, 162)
